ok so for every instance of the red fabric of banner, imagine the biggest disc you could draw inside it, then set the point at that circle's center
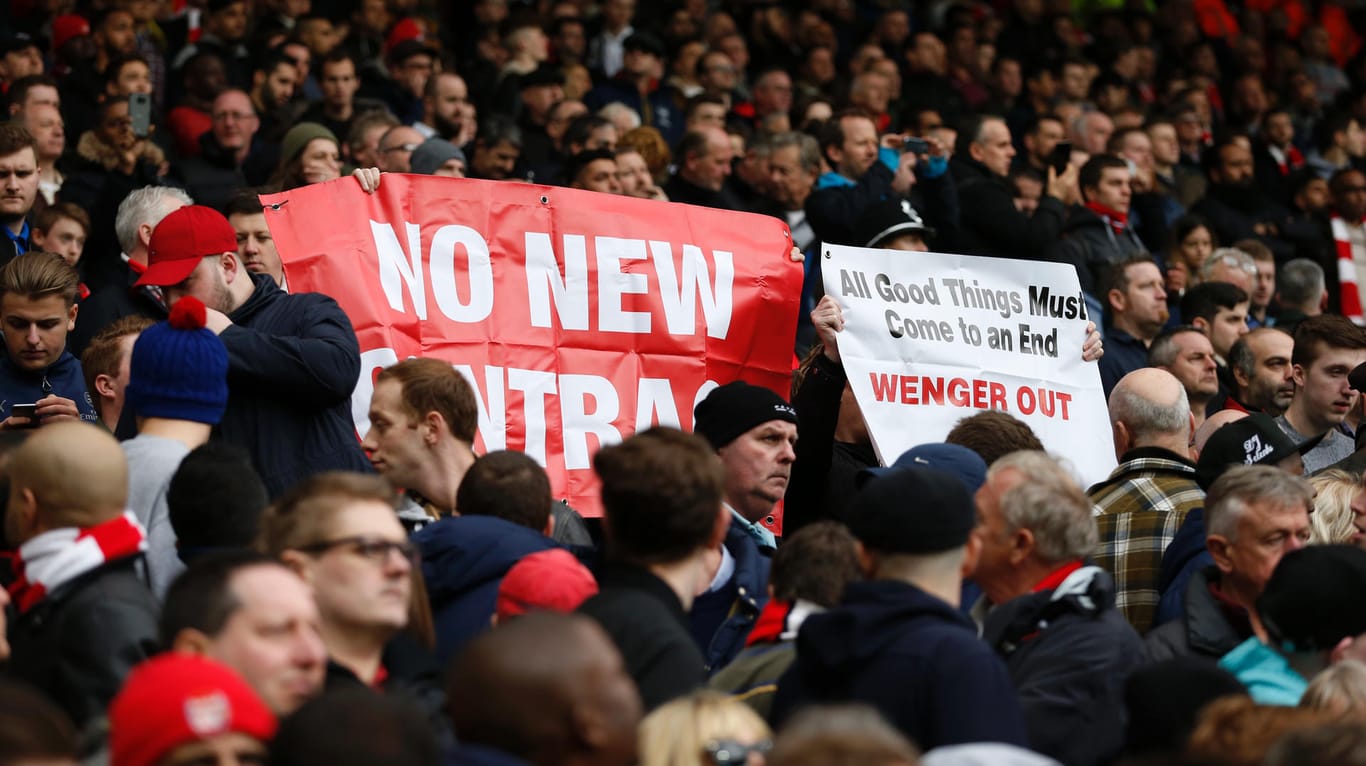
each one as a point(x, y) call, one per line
point(578, 316)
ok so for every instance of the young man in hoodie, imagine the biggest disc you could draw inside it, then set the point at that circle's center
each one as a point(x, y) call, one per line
point(1097, 235)
point(898, 642)
point(37, 310)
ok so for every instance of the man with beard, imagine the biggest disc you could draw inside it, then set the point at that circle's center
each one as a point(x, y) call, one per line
point(1260, 363)
point(446, 108)
point(294, 360)
point(1138, 310)
point(1186, 353)
point(18, 188)
point(1235, 205)
point(273, 84)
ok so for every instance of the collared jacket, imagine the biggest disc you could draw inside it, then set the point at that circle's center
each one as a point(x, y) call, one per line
point(911, 656)
point(1141, 505)
point(1091, 244)
point(1207, 628)
point(62, 378)
point(1069, 651)
point(720, 620)
point(80, 641)
point(293, 361)
point(464, 559)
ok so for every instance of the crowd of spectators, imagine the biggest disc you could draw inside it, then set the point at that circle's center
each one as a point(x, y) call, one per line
point(203, 564)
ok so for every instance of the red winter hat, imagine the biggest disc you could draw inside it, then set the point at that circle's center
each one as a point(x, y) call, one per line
point(181, 240)
point(551, 579)
point(66, 27)
point(175, 699)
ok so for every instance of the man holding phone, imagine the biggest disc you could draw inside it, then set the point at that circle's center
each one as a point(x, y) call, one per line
point(40, 381)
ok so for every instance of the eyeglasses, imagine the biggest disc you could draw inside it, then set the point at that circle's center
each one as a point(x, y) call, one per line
point(371, 548)
point(724, 751)
point(401, 148)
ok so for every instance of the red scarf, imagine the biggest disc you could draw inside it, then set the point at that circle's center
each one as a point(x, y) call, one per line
point(1349, 291)
point(1117, 220)
point(59, 556)
point(1294, 160)
point(772, 621)
point(1056, 577)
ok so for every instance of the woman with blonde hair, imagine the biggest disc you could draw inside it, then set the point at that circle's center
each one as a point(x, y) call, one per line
point(1340, 690)
point(1331, 521)
point(701, 729)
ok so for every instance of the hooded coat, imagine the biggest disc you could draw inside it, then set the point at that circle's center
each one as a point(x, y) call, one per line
point(911, 656)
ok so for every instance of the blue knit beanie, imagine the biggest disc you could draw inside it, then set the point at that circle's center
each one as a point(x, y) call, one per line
point(179, 369)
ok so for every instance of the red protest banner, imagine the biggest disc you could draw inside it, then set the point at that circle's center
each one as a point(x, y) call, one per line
point(579, 317)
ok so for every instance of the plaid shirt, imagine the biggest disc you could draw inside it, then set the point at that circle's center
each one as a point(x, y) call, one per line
point(1139, 509)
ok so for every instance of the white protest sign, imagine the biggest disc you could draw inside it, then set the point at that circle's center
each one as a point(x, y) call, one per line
point(931, 338)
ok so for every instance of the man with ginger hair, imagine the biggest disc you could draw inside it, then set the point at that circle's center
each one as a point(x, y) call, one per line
point(84, 614)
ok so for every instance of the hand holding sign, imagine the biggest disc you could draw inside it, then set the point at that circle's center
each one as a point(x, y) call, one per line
point(933, 338)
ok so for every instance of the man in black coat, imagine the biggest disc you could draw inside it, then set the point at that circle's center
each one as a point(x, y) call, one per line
point(1235, 206)
point(1052, 617)
point(898, 641)
point(85, 616)
point(991, 224)
point(661, 497)
point(293, 359)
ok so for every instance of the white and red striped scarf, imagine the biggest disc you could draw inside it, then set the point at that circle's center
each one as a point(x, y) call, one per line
point(1349, 291)
point(59, 556)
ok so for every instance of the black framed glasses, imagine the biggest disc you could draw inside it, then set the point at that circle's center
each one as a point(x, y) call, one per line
point(726, 751)
point(369, 548)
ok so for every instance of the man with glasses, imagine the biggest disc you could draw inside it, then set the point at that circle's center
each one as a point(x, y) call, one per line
point(338, 531)
point(396, 149)
point(219, 170)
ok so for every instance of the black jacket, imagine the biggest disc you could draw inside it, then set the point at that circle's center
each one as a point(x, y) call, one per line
point(832, 209)
point(111, 304)
point(79, 643)
point(1207, 628)
point(823, 476)
point(1092, 246)
point(646, 621)
point(293, 361)
point(910, 655)
point(990, 223)
point(1069, 652)
point(682, 190)
point(1235, 213)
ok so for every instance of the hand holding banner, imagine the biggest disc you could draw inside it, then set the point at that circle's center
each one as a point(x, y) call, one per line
point(578, 317)
point(931, 338)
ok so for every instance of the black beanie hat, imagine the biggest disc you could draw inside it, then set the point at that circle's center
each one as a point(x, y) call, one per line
point(732, 409)
point(912, 510)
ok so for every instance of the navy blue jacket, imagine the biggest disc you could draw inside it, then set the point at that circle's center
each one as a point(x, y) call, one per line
point(720, 620)
point(1186, 555)
point(910, 655)
point(1069, 651)
point(463, 561)
point(64, 378)
point(293, 361)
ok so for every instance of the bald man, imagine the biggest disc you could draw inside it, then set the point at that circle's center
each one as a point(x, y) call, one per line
point(85, 615)
point(704, 164)
point(1149, 493)
point(586, 708)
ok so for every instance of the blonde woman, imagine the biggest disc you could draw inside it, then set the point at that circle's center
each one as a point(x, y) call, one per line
point(702, 729)
point(1340, 690)
point(1331, 521)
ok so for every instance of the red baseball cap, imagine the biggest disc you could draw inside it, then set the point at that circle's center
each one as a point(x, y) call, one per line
point(551, 579)
point(174, 699)
point(182, 240)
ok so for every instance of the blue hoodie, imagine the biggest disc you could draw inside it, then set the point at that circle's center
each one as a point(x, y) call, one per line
point(63, 378)
point(910, 655)
point(463, 562)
